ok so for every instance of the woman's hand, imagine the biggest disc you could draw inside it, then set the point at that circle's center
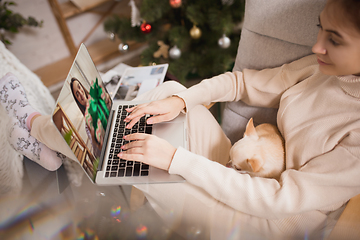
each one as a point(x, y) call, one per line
point(164, 110)
point(149, 149)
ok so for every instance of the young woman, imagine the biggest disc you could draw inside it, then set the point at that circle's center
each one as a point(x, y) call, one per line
point(318, 98)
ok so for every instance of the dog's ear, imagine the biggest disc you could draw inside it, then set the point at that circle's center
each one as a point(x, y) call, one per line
point(250, 130)
point(254, 164)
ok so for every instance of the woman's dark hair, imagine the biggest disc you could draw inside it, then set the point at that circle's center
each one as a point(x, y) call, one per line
point(81, 107)
point(349, 11)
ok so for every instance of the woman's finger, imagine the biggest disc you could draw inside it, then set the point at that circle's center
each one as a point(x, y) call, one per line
point(132, 122)
point(132, 144)
point(131, 156)
point(158, 119)
point(137, 111)
point(133, 118)
point(136, 136)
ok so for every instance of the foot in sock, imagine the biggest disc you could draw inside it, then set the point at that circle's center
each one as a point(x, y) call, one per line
point(21, 140)
point(14, 100)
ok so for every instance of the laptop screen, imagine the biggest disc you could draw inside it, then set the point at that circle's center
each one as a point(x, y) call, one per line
point(82, 110)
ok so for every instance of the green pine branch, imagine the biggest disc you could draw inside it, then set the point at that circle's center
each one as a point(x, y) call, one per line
point(12, 22)
point(200, 57)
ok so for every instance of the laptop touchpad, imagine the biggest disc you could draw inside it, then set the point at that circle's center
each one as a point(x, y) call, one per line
point(173, 132)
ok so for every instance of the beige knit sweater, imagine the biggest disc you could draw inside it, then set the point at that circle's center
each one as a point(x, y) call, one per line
point(319, 117)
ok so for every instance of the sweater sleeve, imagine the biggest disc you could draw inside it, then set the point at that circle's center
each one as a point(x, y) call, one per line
point(322, 184)
point(257, 88)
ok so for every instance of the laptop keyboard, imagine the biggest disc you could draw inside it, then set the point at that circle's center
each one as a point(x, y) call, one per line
point(117, 167)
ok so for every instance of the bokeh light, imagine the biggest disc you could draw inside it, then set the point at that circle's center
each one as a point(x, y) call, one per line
point(141, 232)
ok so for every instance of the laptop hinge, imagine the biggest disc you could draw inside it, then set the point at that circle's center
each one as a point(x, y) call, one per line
point(106, 138)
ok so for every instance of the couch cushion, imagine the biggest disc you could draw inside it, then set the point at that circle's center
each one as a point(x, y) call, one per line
point(257, 51)
point(290, 21)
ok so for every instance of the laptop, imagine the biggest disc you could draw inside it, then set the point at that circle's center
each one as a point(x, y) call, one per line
point(92, 125)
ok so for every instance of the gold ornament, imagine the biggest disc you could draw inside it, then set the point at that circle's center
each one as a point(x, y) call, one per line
point(195, 32)
point(162, 51)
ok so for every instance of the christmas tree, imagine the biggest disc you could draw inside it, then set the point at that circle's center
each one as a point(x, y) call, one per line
point(198, 38)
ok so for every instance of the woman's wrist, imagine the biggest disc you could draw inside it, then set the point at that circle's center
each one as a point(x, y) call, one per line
point(180, 102)
point(171, 159)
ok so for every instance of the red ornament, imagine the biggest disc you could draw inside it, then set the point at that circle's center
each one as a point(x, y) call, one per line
point(145, 27)
point(175, 3)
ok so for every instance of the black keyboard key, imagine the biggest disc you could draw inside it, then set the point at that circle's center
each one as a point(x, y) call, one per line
point(144, 173)
point(136, 170)
point(121, 172)
point(108, 168)
point(115, 162)
point(144, 166)
point(107, 174)
point(113, 174)
point(128, 172)
point(122, 165)
point(130, 163)
point(148, 130)
point(110, 156)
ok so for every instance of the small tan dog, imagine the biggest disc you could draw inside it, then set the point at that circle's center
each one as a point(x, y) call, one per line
point(260, 152)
